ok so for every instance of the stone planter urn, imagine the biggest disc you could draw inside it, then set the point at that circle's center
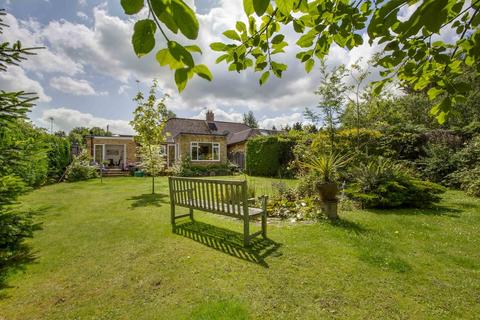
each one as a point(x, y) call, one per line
point(328, 194)
point(330, 209)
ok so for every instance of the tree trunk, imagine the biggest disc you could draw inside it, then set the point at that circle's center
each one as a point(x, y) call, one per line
point(153, 184)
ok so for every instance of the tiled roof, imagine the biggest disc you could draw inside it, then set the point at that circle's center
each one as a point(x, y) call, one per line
point(246, 134)
point(176, 126)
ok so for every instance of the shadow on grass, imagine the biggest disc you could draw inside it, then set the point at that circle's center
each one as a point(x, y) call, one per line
point(20, 254)
point(145, 200)
point(16, 263)
point(348, 226)
point(228, 241)
point(435, 210)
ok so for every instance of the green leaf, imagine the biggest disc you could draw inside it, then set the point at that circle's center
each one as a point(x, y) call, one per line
point(260, 6)
point(264, 77)
point(241, 26)
point(278, 68)
point(298, 26)
point(358, 39)
point(434, 92)
point(185, 19)
point(165, 58)
point(284, 6)
point(278, 38)
point(217, 46)
point(181, 78)
point(306, 40)
point(202, 71)
point(131, 6)
point(180, 53)
point(164, 14)
point(222, 57)
point(248, 7)
point(309, 65)
point(441, 109)
point(378, 87)
point(365, 6)
point(194, 48)
point(143, 39)
point(232, 34)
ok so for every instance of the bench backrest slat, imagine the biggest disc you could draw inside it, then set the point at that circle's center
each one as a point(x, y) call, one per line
point(218, 196)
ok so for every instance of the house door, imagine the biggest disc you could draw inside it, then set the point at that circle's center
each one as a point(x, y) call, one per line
point(237, 158)
point(99, 153)
point(171, 154)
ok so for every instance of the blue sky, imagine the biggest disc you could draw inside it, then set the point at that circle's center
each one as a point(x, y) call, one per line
point(87, 74)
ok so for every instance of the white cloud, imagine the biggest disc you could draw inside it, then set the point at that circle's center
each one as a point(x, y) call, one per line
point(123, 89)
point(82, 15)
point(220, 115)
point(15, 79)
point(65, 119)
point(46, 59)
point(281, 121)
point(74, 86)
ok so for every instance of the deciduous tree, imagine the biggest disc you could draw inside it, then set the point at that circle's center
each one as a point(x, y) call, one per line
point(149, 119)
point(250, 120)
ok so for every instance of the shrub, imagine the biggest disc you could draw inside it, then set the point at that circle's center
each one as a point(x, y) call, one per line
point(347, 140)
point(402, 142)
point(382, 183)
point(468, 180)
point(308, 184)
point(269, 156)
point(184, 168)
point(58, 156)
point(469, 156)
point(81, 169)
point(437, 163)
point(468, 162)
point(23, 152)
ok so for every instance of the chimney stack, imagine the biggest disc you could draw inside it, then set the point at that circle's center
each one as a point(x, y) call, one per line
point(210, 116)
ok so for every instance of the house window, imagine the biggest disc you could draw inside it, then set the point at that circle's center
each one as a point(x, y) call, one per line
point(163, 149)
point(205, 151)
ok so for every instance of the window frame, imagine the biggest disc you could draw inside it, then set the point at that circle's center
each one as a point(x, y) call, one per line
point(215, 145)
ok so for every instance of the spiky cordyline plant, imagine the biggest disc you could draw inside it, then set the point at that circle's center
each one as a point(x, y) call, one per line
point(327, 165)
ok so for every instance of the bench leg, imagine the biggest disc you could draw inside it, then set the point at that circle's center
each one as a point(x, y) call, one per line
point(246, 232)
point(191, 213)
point(172, 214)
point(264, 225)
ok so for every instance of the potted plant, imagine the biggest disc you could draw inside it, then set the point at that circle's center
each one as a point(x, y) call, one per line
point(327, 166)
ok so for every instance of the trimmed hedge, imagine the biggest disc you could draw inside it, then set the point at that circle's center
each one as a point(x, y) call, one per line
point(269, 156)
point(58, 156)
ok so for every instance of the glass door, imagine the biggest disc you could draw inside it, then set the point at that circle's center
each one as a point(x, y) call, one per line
point(98, 153)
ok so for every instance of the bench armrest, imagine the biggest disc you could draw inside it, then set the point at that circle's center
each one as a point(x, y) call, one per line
point(263, 200)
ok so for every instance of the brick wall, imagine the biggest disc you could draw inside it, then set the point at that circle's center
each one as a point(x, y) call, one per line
point(238, 147)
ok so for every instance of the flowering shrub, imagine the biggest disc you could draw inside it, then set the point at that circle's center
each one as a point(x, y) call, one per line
point(81, 169)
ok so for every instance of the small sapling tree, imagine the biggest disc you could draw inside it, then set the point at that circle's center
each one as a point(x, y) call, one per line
point(149, 119)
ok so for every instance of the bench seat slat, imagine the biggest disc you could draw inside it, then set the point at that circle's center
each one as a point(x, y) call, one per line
point(206, 205)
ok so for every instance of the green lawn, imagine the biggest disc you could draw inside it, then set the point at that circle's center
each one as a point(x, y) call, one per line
point(106, 251)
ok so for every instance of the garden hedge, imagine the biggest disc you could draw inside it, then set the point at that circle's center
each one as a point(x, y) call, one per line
point(269, 156)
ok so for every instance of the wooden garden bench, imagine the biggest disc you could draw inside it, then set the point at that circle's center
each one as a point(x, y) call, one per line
point(223, 197)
